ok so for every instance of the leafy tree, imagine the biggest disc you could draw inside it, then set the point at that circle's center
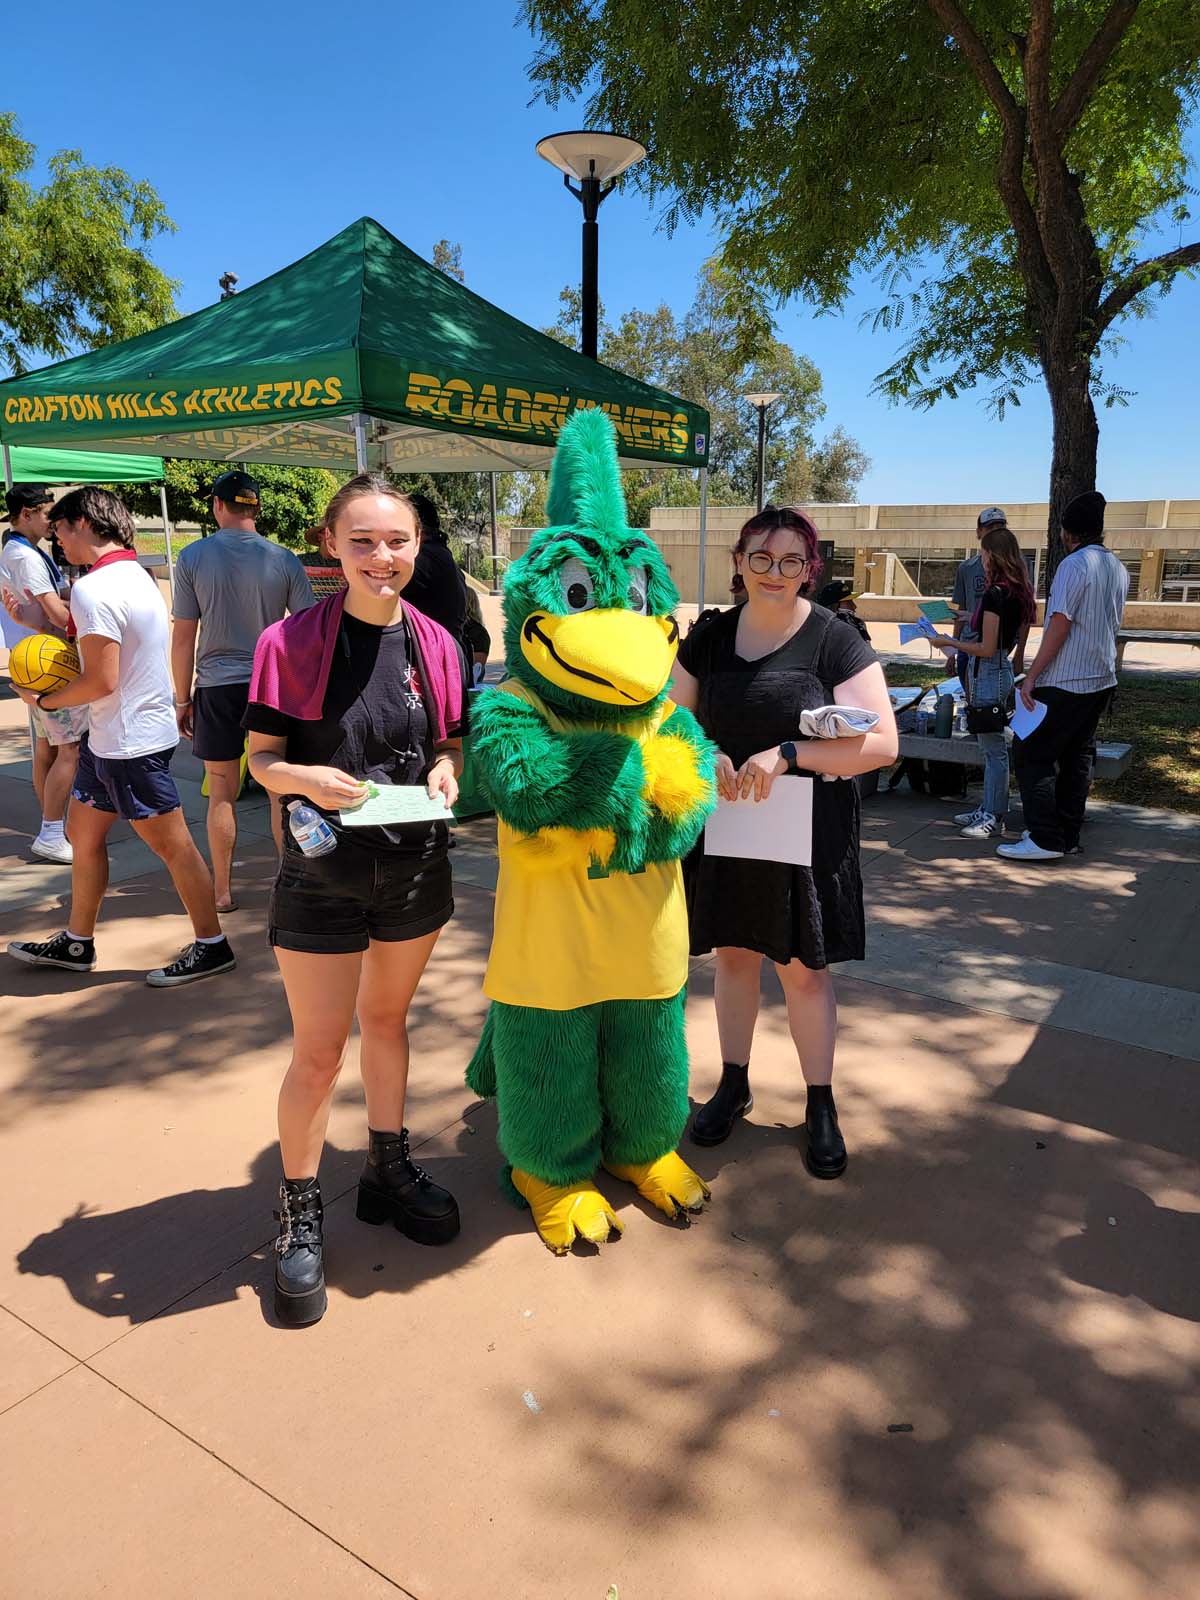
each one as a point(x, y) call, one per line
point(830, 472)
point(293, 498)
point(447, 258)
point(999, 164)
point(73, 268)
point(724, 348)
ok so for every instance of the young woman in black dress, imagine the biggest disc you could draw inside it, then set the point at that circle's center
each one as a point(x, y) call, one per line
point(748, 673)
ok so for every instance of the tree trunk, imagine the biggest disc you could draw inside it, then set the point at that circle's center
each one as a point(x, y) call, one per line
point(1076, 436)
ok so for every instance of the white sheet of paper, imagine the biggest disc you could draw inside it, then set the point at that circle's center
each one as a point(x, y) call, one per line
point(1024, 722)
point(778, 828)
point(396, 804)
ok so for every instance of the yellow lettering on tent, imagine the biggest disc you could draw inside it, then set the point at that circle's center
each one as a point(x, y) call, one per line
point(311, 390)
point(78, 409)
point(460, 388)
point(167, 402)
point(333, 392)
point(423, 394)
point(262, 401)
point(115, 404)
point(92, 402)
point(486, 412)
point(10, 408)
point(516, 409)
point(680, 431)
point(191, 403)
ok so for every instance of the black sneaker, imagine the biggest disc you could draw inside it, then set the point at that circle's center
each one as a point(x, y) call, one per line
point(72, 955)
point(194, 961)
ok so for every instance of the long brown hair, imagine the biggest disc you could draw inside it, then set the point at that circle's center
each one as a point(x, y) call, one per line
point(1008, 570)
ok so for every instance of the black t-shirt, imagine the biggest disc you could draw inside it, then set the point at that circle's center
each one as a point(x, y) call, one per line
point(437, 587)
point(373, 725)
point(746, 706)
point(1007, 607)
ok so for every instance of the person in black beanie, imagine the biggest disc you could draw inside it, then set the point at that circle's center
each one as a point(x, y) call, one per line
point(436, 588)
point(1073, 675)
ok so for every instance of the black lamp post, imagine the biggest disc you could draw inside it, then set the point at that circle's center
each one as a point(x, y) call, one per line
point(596, 160)
point(760, 402)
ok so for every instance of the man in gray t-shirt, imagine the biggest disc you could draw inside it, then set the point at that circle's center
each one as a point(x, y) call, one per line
point(228, 588)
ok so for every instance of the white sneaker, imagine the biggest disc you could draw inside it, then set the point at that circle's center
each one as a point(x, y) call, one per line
point(986, 827)
point(1026, 850)
point(53, 850)
point(968, 819)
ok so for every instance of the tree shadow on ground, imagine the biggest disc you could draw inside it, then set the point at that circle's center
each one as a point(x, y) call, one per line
point(979, 1388)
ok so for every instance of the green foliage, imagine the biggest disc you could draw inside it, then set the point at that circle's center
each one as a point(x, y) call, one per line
point(73, 268)
point(725, 347)
point(1008, 158)
point(293, 498)
point(447, 258)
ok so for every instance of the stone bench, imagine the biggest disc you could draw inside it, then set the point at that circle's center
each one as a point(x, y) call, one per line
point(1153, 636)
point(1112, 757)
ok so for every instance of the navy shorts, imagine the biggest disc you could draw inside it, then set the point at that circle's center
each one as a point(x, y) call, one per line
point(217, 732)
point(136, 788)
point(336, 904)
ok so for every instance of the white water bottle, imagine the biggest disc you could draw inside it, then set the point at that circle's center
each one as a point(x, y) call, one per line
point(310, 830)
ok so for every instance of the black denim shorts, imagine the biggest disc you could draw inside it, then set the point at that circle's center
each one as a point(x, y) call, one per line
point(336, 904)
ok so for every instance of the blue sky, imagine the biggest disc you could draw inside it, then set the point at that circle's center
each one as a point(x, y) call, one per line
point(267, 127)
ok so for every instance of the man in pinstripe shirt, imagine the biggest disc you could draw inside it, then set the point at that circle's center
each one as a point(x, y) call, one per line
point(1073, 675)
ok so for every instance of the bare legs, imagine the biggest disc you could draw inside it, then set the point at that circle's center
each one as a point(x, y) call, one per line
point(89, 830)
point(224, 778)
point(323, 992)
point(60, 775)
point(171, 842)
point(811, 1007)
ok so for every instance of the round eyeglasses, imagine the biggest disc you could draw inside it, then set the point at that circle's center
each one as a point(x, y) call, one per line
point(789, 566)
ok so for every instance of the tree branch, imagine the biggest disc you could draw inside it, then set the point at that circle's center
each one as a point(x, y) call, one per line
point(1072, 102)
point(1157, 269)
point(1031, 254)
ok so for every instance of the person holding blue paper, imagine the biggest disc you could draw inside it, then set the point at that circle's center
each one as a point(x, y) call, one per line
point(360, 690)
point(998, 623)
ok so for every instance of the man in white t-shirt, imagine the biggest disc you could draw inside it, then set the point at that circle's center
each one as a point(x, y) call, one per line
point(120, 622)
point(32, 589)
point(1073, 675)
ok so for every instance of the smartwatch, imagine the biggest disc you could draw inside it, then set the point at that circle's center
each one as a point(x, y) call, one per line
point(788, 751)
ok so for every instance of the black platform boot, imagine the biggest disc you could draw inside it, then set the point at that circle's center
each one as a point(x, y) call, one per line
point(825, 1153)
point(300, 1253)
point(394, 1189)
point(714, 1121)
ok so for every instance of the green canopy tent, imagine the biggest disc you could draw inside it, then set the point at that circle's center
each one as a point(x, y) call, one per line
point(25, 465)
point(359, 355)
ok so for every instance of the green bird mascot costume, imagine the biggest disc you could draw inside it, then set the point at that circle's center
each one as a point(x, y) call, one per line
point(600, 786)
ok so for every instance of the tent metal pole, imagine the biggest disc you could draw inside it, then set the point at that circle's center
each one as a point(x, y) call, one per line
point(162, 500)
point(700, 561)
point(360, 441)
point(495, 535)
point(7, 469)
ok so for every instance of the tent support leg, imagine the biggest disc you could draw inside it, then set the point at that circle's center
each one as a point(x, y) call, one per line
point(7, 469)
point(700, 558)
point(360, 441)
point(495, 535)
point(162, 500)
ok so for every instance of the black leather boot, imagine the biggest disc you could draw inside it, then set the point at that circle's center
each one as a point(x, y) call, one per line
point(300, 1253)
point(394, 1189)
point(825, 1153)
point(714, 1121)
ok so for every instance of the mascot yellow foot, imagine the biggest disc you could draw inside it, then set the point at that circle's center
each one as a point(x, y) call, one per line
point(668, 1183)
point(564, 1212)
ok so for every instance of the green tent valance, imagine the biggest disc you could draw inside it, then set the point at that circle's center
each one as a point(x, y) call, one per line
point(30, 465)
point(361, 336)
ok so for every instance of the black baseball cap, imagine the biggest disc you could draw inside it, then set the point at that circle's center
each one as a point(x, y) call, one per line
point(236, 489)
point(834, 593)
point(27, 497)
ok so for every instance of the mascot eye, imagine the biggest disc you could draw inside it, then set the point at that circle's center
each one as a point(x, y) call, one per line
point(577, 587)
point(639, 584)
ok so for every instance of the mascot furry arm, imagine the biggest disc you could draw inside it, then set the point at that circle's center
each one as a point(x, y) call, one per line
point(600, 785)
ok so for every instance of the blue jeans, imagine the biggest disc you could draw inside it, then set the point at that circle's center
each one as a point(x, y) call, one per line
point(994, 682)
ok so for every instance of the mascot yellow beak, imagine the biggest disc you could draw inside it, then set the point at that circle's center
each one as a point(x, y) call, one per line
point(618, 657)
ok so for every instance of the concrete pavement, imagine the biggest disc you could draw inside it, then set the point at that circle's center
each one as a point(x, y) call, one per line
point(966, 1370)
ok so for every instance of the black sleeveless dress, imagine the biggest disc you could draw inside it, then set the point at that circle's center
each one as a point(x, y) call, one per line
point(812, 914)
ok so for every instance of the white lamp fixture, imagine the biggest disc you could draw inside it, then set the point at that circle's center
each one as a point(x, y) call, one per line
point(762, 401)
point(596, 159)
point(590, 154)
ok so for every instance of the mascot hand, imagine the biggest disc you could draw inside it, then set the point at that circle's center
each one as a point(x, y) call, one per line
point(674, 785)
